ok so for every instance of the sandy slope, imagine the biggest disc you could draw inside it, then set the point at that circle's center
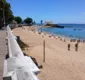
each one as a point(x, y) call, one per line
point(60, 64)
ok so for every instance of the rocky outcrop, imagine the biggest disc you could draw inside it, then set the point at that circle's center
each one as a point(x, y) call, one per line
point(54, 25)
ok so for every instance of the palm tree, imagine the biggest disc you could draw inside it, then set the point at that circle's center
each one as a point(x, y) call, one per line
point(5, 13)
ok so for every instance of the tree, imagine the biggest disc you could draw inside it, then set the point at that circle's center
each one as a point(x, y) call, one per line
point(28, 20)
point(18, 19)
point(6, 14)
point(33, 22)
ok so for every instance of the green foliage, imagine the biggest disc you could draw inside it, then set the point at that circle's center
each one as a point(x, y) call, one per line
point(28, 20)
point(5, 9)
point(34, 22)
point(18, 19)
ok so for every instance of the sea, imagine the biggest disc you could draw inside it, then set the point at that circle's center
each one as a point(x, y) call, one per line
point(73, 31)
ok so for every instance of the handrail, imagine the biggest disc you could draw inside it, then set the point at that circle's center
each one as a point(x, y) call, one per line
point(18, 66)
point(13, 46)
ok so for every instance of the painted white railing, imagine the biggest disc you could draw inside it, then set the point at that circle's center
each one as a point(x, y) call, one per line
point(18, 66)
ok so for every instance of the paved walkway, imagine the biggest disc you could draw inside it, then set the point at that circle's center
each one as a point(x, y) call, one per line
point(3, 51)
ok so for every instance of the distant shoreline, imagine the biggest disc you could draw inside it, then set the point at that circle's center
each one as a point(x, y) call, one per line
point(36, 29)
point(67, 36)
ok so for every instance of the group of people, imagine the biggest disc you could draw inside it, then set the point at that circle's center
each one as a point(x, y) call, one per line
point(61, 39)
point(76, 47)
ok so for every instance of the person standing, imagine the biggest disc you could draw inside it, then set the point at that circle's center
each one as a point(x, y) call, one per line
point(68, 47)
point(76, 47)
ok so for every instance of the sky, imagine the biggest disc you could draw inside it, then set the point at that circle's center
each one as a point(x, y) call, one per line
point(58, 11)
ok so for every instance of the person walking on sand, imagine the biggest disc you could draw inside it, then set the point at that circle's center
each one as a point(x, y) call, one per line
point(76, 47)
point(68, 47)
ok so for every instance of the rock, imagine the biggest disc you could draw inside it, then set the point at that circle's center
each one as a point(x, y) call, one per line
point(54, 25)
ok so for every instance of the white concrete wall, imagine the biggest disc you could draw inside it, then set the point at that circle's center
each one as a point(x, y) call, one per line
point(18, 66)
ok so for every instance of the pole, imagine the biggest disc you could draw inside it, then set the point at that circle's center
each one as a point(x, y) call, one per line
point(3, 15)
point(43, 50)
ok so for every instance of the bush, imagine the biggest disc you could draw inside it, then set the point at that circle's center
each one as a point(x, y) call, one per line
point(28, 20)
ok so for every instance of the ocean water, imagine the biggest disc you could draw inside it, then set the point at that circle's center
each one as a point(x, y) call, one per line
point(74, 31)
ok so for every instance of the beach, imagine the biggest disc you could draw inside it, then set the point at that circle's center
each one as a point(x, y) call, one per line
point(60, 64)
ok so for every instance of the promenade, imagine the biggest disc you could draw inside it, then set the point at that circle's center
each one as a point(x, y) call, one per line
point(3, 51)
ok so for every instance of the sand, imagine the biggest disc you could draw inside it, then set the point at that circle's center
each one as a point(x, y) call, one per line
point(60, 64)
